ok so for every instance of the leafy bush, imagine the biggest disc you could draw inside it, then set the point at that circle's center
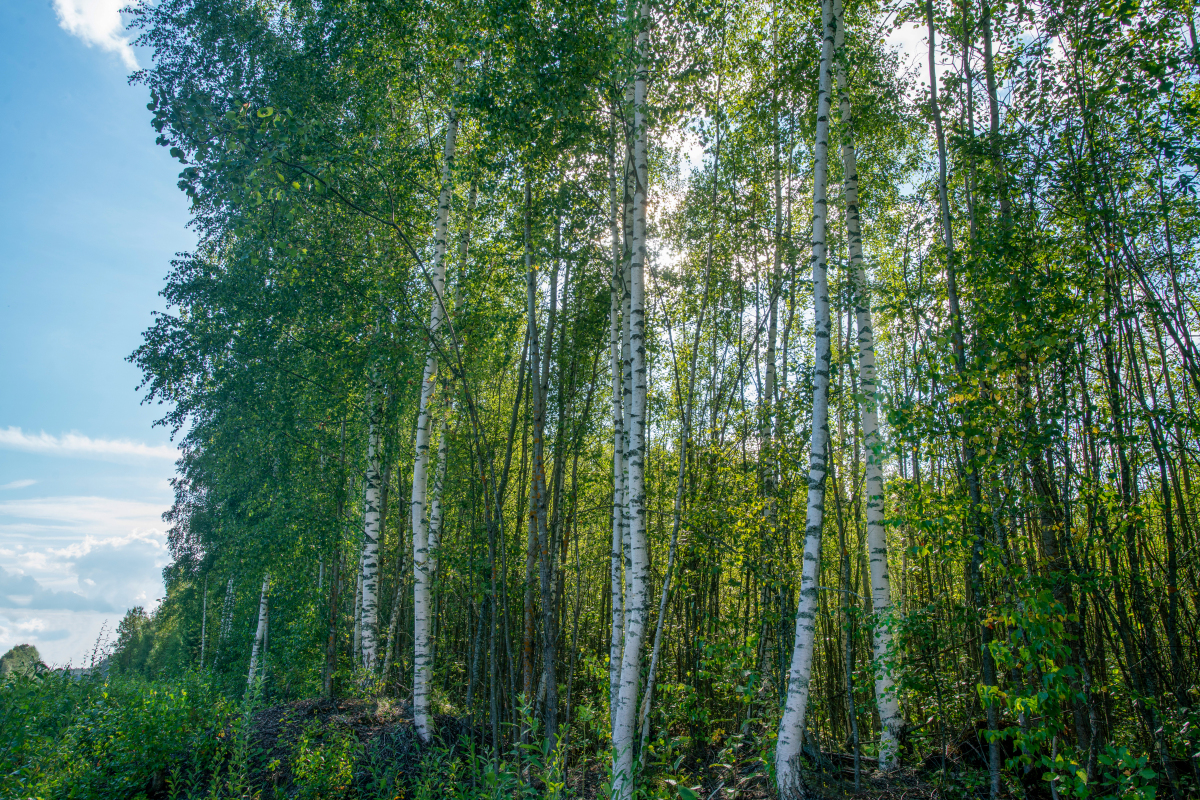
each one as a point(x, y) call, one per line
point(98, 738)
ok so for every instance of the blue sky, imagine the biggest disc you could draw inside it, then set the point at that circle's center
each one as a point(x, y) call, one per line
point(90, 218)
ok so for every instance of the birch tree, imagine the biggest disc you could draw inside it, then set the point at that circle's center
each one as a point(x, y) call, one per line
point(260, 632)
point(637, 565)
point(791, 725)
point(372, 521)
point(423, 557)
point(873, 445)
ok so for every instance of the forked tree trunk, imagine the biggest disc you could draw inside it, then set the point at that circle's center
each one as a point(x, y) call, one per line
point(423, 562)
point(791, 725)
point(881, 594)
point(261, 632)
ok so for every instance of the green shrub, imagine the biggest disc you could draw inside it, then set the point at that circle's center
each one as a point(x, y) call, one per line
point(96, 738)
point(324, 763)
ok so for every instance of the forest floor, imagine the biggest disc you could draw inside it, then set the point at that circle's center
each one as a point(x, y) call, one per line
point(383, 737)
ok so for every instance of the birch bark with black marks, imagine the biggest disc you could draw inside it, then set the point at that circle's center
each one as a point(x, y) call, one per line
point(226, 618)
point(791, 725)
point(260, 632)
point(423, 558)
point(886, 703)
point(372, 528)
point(637, 566)
point(204, 623)
point(616, 293)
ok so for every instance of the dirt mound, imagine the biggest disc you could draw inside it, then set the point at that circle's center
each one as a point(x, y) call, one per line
point(382, 727)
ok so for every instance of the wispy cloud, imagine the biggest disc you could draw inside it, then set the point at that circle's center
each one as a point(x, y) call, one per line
point(80, 446)
point(21, 484)
point(99, 518)
point(97, 22)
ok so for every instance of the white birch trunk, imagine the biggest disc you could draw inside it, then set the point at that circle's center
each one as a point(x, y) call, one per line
point(791, 725)
point(618, 469)
point(626, 379)
point(369, 574)
point(638, 566)
point(203, 624)
point(436, 516)
point(422, 556)
point(226, 615)
point(881, 594)
point(261, 633)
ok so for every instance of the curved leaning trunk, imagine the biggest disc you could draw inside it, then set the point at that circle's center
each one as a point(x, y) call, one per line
point(372, 522)
point(637, 566)
point(791, 725)
point(260, 633)
point(423, 563)
point(881, 594)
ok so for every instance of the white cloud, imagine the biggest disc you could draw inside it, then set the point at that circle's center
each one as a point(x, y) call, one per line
point(97, 22)
point(24, 591)
point(68, 564)
point(21, 484)
point(61, 637)
point(80, 446)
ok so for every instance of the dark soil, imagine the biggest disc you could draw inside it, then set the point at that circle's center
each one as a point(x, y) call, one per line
point(382, 726)
point(385, 730)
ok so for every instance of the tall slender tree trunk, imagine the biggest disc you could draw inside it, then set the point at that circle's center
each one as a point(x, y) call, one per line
point(975, 521)
point(335, 578)
point(356, 642)
point(535, 362)
point(423, 558)
point(392, 646)
point(887, 705)
point(331, 627)
point(372, 527)
point(637, 566)
point(203, 623)
point(260, 633)
point(615, 338)
point(546, 558)
point(226, 618)
point(791, 725)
